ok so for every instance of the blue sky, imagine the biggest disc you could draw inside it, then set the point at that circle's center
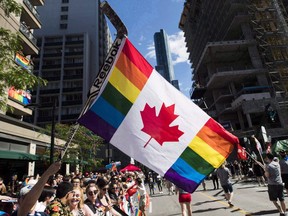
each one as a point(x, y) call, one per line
point(145, 17)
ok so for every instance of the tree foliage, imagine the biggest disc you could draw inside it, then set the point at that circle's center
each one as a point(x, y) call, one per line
point(84, 147)
point(12, 74)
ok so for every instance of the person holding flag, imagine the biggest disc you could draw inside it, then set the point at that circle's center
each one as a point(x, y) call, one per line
point(275, 183)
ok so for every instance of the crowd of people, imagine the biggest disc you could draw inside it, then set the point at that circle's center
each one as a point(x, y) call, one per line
point(124, 193)
point(97, 194)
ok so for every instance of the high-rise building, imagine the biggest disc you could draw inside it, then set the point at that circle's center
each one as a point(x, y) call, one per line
point(21, 143)
point(239, 54)
point(74, 40)
point(163, 57)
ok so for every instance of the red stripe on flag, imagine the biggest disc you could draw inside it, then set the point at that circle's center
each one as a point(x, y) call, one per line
point(134, 55)
point(217, 128)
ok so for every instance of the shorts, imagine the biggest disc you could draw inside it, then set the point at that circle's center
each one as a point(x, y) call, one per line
point(227, 188)
point(186, 197)
point(285, 180)
point(276, 192)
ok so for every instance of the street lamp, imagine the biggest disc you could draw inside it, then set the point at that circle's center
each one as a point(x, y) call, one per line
point(52, 135)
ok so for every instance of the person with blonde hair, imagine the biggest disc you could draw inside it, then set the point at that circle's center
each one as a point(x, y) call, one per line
point(75, 202)
point(3, 190)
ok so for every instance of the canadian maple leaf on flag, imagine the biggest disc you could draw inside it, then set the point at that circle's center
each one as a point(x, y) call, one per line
point(158, 127)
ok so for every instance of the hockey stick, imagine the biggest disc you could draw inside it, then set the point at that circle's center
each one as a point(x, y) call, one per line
point(100, 78)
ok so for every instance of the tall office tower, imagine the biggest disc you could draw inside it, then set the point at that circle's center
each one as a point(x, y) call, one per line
point(163, 56)
point(74, 40)
point(239, 54)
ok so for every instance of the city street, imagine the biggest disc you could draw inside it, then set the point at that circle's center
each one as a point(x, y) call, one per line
point(249, 199)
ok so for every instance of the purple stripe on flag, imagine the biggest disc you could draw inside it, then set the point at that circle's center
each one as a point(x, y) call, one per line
point(96, 124)
point(184, 183)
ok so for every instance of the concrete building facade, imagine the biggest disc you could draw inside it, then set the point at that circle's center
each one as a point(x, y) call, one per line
point(21, 143)
point(74, 41)
point(239, 56)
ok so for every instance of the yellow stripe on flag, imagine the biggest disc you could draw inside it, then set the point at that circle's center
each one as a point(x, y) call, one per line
point(124, 86)
point(206, 152)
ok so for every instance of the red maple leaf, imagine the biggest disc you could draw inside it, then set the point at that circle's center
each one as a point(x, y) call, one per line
point(158, 126)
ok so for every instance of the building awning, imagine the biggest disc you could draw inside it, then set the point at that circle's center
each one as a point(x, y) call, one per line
point(18, 156)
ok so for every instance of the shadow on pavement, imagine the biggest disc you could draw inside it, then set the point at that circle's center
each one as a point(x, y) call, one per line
point(269, 212)
point(208, 201)
point(208, 210)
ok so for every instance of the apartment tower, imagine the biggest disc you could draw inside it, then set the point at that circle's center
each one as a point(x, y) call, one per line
point(74, 41)
point(238, 51)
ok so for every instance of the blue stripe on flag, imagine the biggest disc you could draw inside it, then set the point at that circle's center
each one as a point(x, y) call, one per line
point(186, 171)
point(107, 112)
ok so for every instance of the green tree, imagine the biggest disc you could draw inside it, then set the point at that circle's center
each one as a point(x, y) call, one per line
point(12, 74)
point(83, 149)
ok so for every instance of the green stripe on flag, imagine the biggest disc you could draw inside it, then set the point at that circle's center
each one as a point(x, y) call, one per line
point(197, 162)
point(116, 99)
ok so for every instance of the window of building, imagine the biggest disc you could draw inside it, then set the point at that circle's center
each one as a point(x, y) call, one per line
point(64, 8)
point(64, 17)
point(65, 1)
point(63, 26)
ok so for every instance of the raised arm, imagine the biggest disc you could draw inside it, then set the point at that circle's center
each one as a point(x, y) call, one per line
point(32, 196)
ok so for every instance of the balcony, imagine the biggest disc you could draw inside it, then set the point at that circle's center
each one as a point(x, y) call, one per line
point(37, 2)
point(29, 41)
point(30, 15)
point(249, 97)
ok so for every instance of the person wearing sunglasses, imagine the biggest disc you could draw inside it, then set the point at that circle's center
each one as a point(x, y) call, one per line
point(90, 202)
point(103, 200)
point(75, 202)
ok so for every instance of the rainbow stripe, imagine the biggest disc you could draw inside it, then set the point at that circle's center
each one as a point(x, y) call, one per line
point(126, 81)
point(201, 156)
point(203, 151)
point(137, 212)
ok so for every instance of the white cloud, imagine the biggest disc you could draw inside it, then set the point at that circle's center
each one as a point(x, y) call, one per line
point(177, 49)
point(151, 51)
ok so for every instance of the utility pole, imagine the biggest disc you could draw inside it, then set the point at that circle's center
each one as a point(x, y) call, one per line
point(52, 132)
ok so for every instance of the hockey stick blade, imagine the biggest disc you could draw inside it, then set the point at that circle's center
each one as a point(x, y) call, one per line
point(114, 19)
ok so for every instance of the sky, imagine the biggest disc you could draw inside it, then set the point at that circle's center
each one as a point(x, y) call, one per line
point(143, 18)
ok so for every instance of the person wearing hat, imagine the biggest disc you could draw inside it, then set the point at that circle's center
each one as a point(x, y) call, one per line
point(30, 193)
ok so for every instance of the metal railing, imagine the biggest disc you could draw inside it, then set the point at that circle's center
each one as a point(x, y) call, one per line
point(24, 29)
point(32, 9)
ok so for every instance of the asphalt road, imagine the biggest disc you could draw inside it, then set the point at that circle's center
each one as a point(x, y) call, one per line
point(249, 199)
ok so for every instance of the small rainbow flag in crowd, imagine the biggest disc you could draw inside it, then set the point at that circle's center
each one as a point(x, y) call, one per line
point(147, 118)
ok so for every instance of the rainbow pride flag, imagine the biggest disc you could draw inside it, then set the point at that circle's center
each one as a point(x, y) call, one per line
point(147, 118)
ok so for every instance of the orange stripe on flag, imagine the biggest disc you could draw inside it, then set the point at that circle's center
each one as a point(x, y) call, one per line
point(217, 142)
point(131, 71)
point(139, 61)
point(217, 128)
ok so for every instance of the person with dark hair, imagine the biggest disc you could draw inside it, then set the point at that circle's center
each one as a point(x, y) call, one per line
point(76, 182)
point(275, 183)
point(58, 206)
point(45, 198)
point(284, 168)
point(103, 200)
